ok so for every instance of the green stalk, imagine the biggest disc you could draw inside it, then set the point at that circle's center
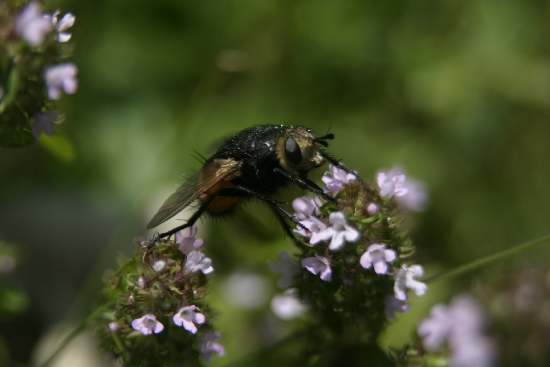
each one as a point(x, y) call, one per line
point(77, 330)
point(73, 334)
point(480, 263)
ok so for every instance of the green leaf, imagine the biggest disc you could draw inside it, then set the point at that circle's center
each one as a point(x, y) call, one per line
point(12, 301)
point(12, 85)
point(59, 146)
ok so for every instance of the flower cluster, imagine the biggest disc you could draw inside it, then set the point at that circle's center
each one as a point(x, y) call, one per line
point(459, 326)
point(34, 71)
point(353, 253)
point(160, 292)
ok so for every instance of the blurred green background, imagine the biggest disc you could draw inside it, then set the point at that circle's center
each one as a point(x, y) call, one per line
point(457, 93)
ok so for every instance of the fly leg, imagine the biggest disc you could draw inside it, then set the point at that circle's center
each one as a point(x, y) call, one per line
point(305, 183)
point(196, 215)
point(339, 164)
point(281, 213)
point(284, 224)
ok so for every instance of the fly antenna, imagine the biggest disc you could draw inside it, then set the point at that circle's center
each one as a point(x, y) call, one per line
point(323, 139)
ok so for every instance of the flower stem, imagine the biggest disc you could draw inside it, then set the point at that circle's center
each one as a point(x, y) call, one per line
point(77, 330)
point(257, 355)
point(479, 263)
point(73, 334)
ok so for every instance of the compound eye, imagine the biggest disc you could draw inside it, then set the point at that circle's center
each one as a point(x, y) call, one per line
point(292, 151)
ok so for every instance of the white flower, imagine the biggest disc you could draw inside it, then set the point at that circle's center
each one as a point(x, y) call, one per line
point(405, 279)
point(245, 290)
point(416, 198)
point(188, 241)
point(372, 209)
point(159, 265)
point(377, 256)
point(339, 232)
point(410, 194)
point(460, 326)
point(189, 317)
point(61, 26)
point(147, 325)
point(141, 283)
point(287, 306)
point(313, 228)
point(210, 346)
point(287, 267)
point(32, 25)
point(61, 78)
point(391, 183)
point(306, 206)
point(476, 352)
point(113, 326)
point(197, 261)
point(336, 178)
point(318, 265)
point(435, 330)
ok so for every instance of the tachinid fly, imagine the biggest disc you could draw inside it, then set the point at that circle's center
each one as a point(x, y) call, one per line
point(254, 163)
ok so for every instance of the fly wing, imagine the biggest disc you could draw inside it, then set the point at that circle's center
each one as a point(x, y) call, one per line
point(202, 184)
point(184, 195)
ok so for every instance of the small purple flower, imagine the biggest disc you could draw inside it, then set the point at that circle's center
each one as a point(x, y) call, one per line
point(32, 25)
point(147, 325)
point(336, 178)
point(416, 198)
point(189, 317)
point(467, 316)
point(339, 232)
point(287, 267)
point(373, 209)
point(314, 229)
point(393, 306)
point(197, 261)
point(61, 78)
point(287, 306)
point(306, 207)
point(62, 25)
point(410, 194)
point(378, 257)
point(435, 329)
point(209, 345)
point(113, 326)
point(391, 183)
point(159, 265)
point(460, 326)
point(141, 283)
point(405, 279)
point(188, 241)
point(318, 265)
point(43, 122)
point(478, 351)
point(246, 290)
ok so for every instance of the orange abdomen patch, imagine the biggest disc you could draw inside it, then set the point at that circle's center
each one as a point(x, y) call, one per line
point(222, 204)
point(214, 178)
